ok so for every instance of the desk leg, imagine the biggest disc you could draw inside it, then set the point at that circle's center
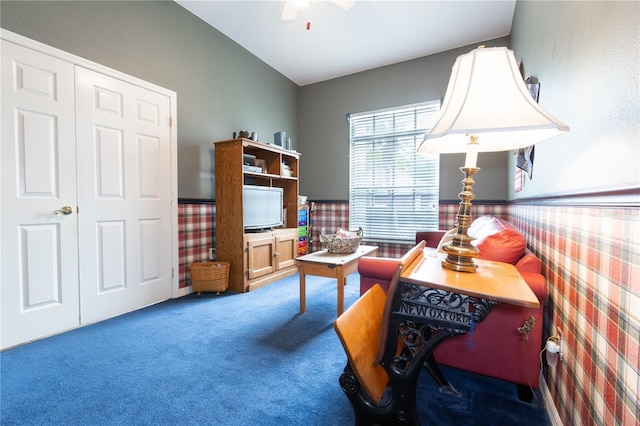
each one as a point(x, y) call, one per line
point(433, 368)
point(443, 384)
point(303, 295)
point(342, 281)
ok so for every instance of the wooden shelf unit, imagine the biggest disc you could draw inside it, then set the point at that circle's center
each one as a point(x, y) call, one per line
point(256, 259)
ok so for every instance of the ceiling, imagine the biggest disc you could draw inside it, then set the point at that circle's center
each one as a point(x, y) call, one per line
point(341, 42)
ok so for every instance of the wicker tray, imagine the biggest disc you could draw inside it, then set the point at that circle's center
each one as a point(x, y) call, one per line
point(209, 276)
point(343, 241)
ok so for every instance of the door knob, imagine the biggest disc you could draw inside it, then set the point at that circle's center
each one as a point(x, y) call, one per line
point(66, 210)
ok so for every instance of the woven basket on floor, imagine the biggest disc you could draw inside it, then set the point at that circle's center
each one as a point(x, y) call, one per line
point(209, 276)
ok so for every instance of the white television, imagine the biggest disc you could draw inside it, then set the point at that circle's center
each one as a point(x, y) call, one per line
point(262, 207)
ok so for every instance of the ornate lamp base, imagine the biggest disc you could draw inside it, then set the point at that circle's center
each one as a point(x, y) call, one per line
point(460, 251)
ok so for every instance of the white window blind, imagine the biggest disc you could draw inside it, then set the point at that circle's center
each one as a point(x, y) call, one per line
point(393, 190)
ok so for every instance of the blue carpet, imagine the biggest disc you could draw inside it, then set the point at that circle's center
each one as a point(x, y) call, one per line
point(232, 359)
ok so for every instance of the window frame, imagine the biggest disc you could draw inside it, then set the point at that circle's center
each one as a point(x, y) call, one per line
point(393, 189)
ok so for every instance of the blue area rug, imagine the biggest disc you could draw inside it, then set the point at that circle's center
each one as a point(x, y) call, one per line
point(232, 359)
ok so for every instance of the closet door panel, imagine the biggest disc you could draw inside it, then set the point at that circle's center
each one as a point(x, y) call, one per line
point(109, 163)
point(39, 273)
point(111, 261)
point(87, 178)
point(123, 159)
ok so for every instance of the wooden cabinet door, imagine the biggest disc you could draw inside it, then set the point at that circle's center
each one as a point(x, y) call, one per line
point(286, 247)
point(260, 254)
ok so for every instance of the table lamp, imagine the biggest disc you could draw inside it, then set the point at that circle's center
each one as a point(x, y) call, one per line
point(487, 107)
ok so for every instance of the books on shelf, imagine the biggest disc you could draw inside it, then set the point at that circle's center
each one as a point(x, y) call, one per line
point(253, 169)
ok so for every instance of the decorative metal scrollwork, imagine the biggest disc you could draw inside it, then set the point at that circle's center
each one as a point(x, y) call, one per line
point(414, 336)
point(481, 308)
point(404, 358)
point(434, 297)
point(443, 310)
point(410, 334)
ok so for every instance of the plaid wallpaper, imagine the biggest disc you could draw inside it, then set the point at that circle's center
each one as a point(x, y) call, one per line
point(449, 210)
point(196, 224)
point(331, 215)
point(334, 215)
point(591, 259)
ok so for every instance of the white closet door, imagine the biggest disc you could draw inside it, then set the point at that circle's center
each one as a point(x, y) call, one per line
point(39, 290)
point(124, 164)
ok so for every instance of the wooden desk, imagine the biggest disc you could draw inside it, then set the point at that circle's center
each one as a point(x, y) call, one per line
point(496, 281)
point(425, 305)
point(430, 304)
point(325, 264)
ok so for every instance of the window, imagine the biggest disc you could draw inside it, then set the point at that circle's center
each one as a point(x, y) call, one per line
point(393, 190)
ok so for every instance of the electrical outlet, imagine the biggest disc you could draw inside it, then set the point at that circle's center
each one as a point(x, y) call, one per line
point(552, 351)
point(212, 254)
point(553, 348)
point(560, 343)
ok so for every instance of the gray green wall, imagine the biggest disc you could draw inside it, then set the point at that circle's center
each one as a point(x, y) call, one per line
point(220, 86)
point(586, 56)
point(324, 130)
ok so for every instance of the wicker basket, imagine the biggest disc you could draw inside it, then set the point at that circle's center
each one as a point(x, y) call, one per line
point(342, 242)
point(209, 276)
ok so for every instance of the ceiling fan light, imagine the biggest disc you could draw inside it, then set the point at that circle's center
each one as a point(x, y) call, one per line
point(289, 10)
point(291, 7)
point(345, 4)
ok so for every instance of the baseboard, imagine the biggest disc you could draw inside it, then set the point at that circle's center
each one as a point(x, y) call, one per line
point(183, 291)
point(552, 411)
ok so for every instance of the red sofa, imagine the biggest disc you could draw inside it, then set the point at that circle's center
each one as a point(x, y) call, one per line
point(496, 348)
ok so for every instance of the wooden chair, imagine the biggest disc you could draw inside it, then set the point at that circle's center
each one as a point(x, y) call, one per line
point(363, 380)
point(379, 391)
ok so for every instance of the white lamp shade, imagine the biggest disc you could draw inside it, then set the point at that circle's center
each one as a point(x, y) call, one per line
point(487, 97)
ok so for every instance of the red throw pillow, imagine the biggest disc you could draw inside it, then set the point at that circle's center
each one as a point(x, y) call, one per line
point(497, 240)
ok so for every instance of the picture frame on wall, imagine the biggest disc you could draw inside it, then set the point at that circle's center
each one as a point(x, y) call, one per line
point(524, 159)
point(534, 87)
point(525, 156)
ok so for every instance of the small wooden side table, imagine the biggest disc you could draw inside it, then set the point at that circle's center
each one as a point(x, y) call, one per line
point(325, 264)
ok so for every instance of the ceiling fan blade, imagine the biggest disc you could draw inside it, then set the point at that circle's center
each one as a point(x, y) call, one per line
point(345, 4)
point(289, 10)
